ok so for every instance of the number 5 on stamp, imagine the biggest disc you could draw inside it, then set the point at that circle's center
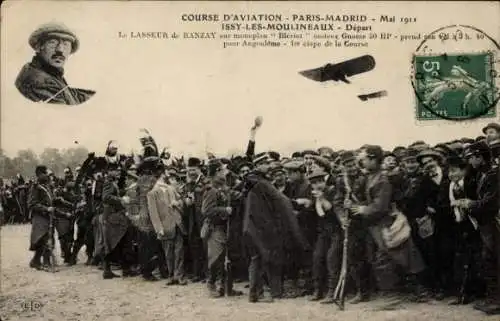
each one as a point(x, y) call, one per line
point(454, 86)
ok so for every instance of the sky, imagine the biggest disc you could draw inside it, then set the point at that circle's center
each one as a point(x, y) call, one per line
point(193, 94)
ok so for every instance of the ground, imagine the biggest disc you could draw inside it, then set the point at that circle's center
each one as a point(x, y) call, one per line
point(79, 293)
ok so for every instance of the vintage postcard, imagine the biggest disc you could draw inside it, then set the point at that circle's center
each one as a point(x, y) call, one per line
point(199, 159)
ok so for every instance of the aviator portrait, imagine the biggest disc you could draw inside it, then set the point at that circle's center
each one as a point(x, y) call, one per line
point(42, 79)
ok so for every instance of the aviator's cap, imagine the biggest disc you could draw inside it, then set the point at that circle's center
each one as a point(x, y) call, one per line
point(491, 125)
point(57, 30)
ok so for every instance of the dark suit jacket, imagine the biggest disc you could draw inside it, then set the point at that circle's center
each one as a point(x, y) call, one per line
point(485, 205)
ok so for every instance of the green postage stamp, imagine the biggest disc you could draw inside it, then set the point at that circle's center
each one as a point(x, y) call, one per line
point(454, 86)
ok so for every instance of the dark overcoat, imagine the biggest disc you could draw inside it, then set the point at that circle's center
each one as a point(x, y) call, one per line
point(115, 222)
point(39, 200)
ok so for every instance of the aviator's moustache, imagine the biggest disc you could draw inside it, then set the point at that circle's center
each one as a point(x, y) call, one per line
point(58, 56)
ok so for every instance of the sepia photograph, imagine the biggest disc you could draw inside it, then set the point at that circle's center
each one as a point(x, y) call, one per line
point(42, 79)
point(250, 160)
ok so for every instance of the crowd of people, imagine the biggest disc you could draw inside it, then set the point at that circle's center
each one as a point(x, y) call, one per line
point(417, 223)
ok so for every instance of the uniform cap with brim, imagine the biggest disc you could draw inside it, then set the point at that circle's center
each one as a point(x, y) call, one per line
point(293, 165)
point(429, 153)
point(456, 161)
point(409, 154)
point(53, 30)
point(277, 170)
point(491, 125)
point(444, 149)
point(477, 148)
point(261, 158)
point(325, 150)
point(317, 173)
point(172, 171)
point(374, 151)
point(346, 157)
point(310, 152)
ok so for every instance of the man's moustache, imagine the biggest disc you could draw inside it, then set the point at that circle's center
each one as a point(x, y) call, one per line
point(57, 56)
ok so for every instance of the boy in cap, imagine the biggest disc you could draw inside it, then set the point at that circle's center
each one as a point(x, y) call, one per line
point(42, 79)
point(327, 250)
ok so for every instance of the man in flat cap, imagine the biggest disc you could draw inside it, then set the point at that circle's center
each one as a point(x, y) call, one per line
point(492, 132)
point(42, 80)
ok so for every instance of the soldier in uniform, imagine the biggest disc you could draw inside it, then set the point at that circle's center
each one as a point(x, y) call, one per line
point(40, 204)
point(42, 79)
point(216, 210)
point(64, 202)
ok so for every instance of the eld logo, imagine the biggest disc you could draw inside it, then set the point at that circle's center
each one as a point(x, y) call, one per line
point(31, 306)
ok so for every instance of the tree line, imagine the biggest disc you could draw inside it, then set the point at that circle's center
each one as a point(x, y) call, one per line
point(26, 160)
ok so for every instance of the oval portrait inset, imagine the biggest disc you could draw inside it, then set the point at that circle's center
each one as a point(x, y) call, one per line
point(42, 79)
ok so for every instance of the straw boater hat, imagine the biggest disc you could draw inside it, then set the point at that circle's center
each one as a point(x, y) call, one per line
point(53, 30)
